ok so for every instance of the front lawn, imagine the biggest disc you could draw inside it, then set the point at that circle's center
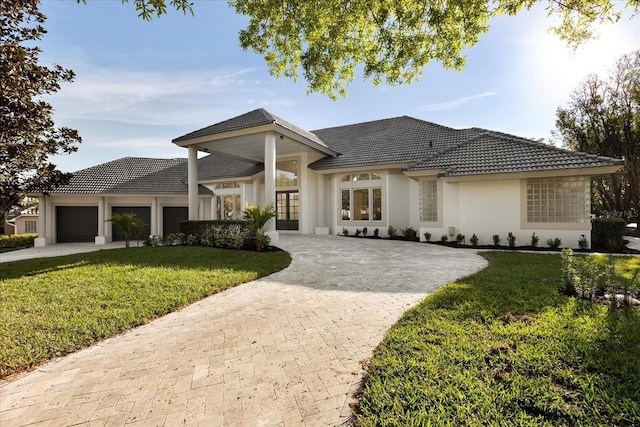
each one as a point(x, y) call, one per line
point(504, 347)
point(53, 306)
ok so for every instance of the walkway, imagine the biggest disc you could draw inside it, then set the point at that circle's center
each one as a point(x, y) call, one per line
point(285, 350)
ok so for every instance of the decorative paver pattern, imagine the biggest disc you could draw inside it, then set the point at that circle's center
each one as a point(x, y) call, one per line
point(285, 350)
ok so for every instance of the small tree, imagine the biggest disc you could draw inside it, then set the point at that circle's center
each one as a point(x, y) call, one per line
point(257, 218)
point(128, 223)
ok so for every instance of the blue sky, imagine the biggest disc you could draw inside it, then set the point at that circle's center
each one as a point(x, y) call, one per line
point(140, 84)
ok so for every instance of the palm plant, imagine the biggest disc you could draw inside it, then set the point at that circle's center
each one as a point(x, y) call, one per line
point(257, 218)
point(128, 223)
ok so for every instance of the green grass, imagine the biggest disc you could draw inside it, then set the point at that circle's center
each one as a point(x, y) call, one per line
point(504, 347)
point(53, 306)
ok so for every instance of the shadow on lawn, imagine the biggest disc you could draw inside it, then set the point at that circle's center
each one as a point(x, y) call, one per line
point(174, 257)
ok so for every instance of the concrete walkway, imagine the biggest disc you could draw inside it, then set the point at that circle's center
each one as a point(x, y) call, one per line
point(284, 350)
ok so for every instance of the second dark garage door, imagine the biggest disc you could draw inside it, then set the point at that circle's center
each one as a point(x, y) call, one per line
point(171, 217)
point(144, 213)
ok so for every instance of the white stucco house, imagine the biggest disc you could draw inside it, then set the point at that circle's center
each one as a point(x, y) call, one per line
point(400, 172)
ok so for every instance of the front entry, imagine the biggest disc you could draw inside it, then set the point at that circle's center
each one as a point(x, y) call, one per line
point(288, 208)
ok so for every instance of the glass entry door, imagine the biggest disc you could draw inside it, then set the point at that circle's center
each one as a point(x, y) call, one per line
point(288, 208)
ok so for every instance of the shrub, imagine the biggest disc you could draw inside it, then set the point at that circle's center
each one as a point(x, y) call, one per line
point(365, 231)
point(444, 238)
point(409, 234)
point(474, 240)
point(218, 233)
point(568, 272)
point(345, 232)
point(427, 236)
point(460, 239)
point(496, 240)
point(128, 223)
point(606, 233)
point(583, 243)
point(16, 240)
point(534, 239)
point(257, 217)
point(554, 243)
point(376, 233)
point(358, 232)
point(511, 239)
point(391, 232)
point(233, 241)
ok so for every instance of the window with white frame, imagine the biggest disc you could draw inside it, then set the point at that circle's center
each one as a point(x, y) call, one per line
point(228, 200)
point(429, 200)
point(559, 200)
point(30, 227)
point(361, 197)
point(287, 173)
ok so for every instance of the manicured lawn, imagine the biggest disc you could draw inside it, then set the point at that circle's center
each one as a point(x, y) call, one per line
point(53, 306)
point(504, 347)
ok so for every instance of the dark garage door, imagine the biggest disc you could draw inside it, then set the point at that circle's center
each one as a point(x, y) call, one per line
point(144, 213)
point(171, 217)
point(76, 223)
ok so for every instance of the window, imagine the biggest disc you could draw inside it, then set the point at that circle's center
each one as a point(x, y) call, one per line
point(225, 185)
point(359, 200)
point(229, 206)
point(562, 199)
point(30, 227)
point(429, 201)
point(287, 173)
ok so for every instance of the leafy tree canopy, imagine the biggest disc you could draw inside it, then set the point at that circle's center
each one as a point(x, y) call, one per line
point(28, 136)
point(392, 40)
point(603, 118)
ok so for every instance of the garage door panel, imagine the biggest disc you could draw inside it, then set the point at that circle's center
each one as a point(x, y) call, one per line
point(171, 217)
point(76, 223)
point(142, 212)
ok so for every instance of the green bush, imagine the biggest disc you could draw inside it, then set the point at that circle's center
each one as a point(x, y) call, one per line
point(391, 232)
point(534, 239)
point(427, 236)
point(16, 240)
point(606, 233)
point(223, 234)
point(474, 240)
point(496, 240)
point(409, 234)
point(554, 243)
point(511, 239)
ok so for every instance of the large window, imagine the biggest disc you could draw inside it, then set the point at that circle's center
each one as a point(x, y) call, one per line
point(228, 201)
point(429, 201)
point(559, 200)
point(287, 173)
point(360, 197)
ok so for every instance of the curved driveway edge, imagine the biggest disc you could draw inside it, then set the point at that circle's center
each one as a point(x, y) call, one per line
point(283, 350)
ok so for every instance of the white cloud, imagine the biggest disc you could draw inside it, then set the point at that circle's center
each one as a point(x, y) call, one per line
point(149, 97)
point(454, 103)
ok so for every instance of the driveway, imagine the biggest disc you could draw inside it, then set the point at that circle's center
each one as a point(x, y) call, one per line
point(284, 350)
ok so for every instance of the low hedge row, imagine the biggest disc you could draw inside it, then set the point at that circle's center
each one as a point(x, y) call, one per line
point(218, 233)
point(606, 233)
point(16, 240)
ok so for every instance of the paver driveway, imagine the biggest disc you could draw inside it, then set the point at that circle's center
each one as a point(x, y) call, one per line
point(283, 350)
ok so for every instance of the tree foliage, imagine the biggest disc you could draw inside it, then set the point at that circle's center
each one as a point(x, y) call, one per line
point(28, 136)
point(603, 118)
point(129, 223)
point(328, 40)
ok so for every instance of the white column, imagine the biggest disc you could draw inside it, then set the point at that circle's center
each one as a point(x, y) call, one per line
point(192, 178)
point(153, 227)
point(256, 192)
point(214, 207)
point(42, 239)
point(270, 181)
point(322, 206)
point(201, 209)
point(100, 239)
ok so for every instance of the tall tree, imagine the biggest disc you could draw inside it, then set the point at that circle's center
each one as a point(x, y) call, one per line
point(391, 39)
point(28, 136)
point(603, 118)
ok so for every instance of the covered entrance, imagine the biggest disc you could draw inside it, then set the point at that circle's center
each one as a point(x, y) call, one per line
point(288, 210)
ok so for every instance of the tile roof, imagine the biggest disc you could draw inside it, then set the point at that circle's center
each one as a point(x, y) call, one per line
point(400, 140)
point(132, 175)
point(493, 152)
point(248, 120)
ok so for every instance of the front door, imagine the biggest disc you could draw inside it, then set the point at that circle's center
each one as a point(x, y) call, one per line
point(288, 208)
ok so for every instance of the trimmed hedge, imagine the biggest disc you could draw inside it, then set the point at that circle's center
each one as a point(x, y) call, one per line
point(606, 233)
point(218, 233)
point(16, 240)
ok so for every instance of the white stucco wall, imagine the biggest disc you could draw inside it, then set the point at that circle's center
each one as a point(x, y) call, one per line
point(398, 202)
point(495, 207)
